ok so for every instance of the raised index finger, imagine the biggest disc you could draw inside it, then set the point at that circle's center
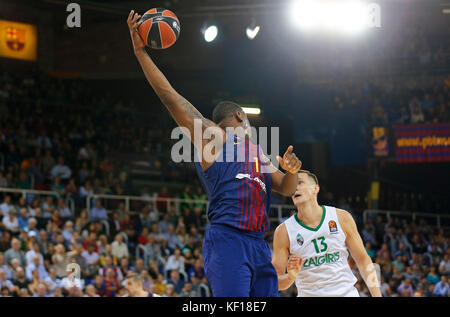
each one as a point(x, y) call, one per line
point(289, 149)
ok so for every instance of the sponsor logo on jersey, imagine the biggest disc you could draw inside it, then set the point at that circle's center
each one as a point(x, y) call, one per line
point(333, 226)
point(256, 179)
point(300, 239)
point(319, 260)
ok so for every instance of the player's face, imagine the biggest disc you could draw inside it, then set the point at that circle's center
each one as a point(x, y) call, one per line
point(131, 287)
point(306, 190)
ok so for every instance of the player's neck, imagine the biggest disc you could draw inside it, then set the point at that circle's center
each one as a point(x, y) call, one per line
point(309, 213)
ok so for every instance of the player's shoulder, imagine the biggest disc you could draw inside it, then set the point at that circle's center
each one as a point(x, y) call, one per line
point(345, 218)
point(344, 214)
point(281, 230)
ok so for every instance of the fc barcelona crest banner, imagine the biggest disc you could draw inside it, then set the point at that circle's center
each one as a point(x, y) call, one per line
point(422, 143)
point(18, 40)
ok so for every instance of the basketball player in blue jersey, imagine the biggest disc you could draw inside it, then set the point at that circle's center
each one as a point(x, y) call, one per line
point(238, 181)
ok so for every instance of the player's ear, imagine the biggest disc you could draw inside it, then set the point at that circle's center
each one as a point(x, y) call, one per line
point(239, 116)
point(316, 189)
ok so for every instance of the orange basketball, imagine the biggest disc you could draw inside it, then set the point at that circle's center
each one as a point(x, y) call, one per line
point(160, 28)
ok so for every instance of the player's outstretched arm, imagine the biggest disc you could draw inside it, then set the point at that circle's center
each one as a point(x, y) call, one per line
point(281, 260)
point(286, 184)
point(183, 112)
point(356, 247)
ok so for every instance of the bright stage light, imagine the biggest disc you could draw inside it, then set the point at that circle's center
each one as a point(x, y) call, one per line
point(252, 31)
point(251, 110)
point(210, 33)
point(344, 16)
point(305, 13)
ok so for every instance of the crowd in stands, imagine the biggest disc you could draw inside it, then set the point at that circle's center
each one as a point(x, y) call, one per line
point(165, 249)
point(387, 102)
point(39, 240)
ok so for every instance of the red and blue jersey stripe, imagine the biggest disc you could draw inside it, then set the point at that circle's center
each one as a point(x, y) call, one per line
point(238, 186)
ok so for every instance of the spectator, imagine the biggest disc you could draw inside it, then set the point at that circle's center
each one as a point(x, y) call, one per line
point(48, 207)
point(100, 286)
point(197, 274)
point(111, 283)
point(56, 186)
point(90, 255)
point(61, 170)
point(6, 206)
point(432, 276)
point(406, 286)
point(172, 240)
point(98, 212)
point(188, 291)
point(61, 260)
point(444, 266)
point(11, 222)
point(442, 288)
point(170, 291)
point(21, 281)
point(160, 285)
point(109, 265)
point(64, 211)
point(38, 266)
point(4, 282)
point(15, 253)
point(86, 190)
point(91, 291)
point(175, 261)
point(161, 202)
point(5, 267)
point(119, 248)
point(52, 281)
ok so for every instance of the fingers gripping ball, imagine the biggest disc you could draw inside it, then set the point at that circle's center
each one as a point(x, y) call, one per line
point(160, 28)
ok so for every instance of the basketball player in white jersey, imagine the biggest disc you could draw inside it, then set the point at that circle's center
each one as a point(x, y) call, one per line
point(134, 287)
point(311, 246)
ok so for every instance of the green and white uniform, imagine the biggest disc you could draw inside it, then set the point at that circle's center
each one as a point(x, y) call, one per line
point(325, 270)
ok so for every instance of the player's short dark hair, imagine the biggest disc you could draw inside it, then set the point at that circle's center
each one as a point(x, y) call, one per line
point(311, 175)
point(224, 110)
point(137, 278)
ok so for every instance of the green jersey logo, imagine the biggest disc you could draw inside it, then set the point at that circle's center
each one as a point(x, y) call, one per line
point(319, 260)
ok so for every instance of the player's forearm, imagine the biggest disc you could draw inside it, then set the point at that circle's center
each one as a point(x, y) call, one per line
point(285, 281)
point(156, 78)
point(181, 110)
point(289, 184)
point(369, 275)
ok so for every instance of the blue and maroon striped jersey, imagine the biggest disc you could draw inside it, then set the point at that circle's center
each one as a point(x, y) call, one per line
point(238, 186)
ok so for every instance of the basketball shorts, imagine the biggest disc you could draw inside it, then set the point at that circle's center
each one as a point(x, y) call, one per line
point(238, 263)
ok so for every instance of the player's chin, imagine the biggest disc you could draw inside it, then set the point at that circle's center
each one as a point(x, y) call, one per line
point(296, 200)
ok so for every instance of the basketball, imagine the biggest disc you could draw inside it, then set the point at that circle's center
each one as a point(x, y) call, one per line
point(160, 28)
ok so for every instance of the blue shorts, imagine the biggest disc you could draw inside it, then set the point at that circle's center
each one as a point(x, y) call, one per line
point(238, 263)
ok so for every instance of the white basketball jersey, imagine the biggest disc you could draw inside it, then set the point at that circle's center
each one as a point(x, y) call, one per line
point(325, 270)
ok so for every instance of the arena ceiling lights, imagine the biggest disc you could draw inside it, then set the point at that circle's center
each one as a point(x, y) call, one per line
point(210, 32)
point(346, 16)
point(252, 30)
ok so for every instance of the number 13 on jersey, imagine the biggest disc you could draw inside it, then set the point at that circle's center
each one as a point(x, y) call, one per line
point(323, 245)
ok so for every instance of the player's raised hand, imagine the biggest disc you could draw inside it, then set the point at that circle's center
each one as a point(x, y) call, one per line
point(133, 24)
point(290, 162)
point(294, 266)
